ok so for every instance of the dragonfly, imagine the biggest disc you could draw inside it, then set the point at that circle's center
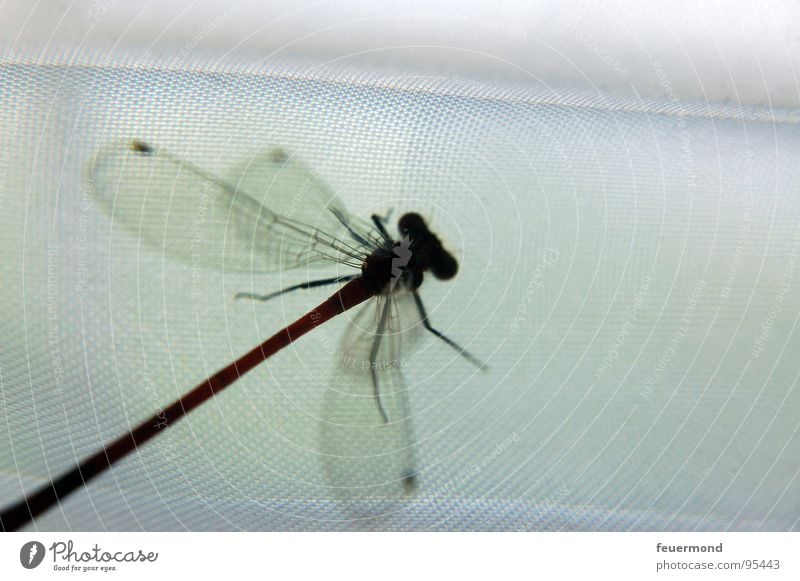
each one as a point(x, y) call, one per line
point(276, 214)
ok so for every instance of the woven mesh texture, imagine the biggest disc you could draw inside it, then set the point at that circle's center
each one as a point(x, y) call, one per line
point(627, 270)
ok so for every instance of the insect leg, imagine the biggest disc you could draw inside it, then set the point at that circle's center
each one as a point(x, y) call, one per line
point(309, 284)
point(461, 351)
point(380, 226)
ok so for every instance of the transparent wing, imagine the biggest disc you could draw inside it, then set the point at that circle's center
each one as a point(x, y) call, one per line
point(367, 448)
point(227, 225)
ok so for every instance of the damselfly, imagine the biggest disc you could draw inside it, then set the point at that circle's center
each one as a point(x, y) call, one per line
point(277, 214)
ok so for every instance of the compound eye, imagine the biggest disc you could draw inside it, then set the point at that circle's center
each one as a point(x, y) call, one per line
point(412, 224)
point(444, 267)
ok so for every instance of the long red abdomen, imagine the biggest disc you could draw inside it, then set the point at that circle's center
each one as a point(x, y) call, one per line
point(21, 513)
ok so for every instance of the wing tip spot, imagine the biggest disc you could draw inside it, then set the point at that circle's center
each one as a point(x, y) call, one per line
point(279, 155)
point(409, 481)
point(141, 147)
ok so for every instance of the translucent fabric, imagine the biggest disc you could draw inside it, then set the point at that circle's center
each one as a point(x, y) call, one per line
point(628, 271)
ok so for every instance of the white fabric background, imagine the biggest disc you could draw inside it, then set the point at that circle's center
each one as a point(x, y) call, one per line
point(593, 212)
